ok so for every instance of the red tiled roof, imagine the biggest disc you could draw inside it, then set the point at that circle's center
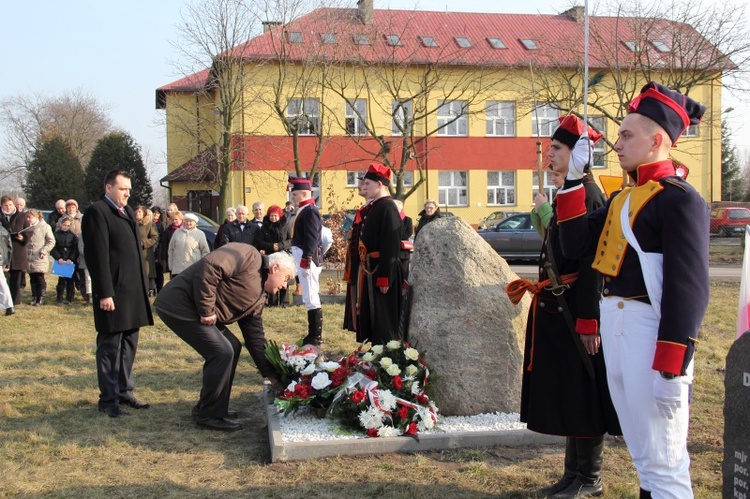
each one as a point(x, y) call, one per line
point(201, 168)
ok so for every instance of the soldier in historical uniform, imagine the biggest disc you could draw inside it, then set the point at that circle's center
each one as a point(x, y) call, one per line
point(308, 255)
point(564, 387)
point(351, 266)
point(650, 245)
point(380, 281)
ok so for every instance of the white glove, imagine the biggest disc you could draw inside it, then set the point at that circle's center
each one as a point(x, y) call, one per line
point(582, 153)
point(667, 394)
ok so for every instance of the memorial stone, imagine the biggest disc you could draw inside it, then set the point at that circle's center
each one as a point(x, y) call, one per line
point(736, 468)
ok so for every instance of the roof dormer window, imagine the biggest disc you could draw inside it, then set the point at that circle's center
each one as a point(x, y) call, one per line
point(428, 41)
point(328, 37)
point(496, 43)
point(463, 42)
point(631, 45)
point(361, 39)
point(529, 44)
point(295, 37)
point(660, 46)
point(393, 40)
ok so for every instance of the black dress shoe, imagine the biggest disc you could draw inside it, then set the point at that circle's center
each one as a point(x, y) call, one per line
point(134, 403)
point(114, 411)
point(219, 424)
point(10, 311)
point(231, 414)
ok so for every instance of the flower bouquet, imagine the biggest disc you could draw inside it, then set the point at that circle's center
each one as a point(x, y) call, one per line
point(380, 389)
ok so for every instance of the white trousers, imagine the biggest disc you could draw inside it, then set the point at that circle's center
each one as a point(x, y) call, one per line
point(657, 445)
point(309, 281)
point(6, 299)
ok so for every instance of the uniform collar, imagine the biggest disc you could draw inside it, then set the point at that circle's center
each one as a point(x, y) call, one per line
point(653, 171)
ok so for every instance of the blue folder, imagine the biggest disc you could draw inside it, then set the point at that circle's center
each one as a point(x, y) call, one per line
point(63, 269)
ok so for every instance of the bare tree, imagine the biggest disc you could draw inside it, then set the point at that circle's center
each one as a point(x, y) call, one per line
point(75, 116)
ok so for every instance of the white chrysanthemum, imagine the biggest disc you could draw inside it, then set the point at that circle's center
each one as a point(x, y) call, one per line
point(308, 370)
point(393, 370)
point(330, 366)
point(393, 345)
point(386, 362)
point(291, 386)
point(387, 400)
point(415, 388)
point(320, 381)
point(371, 418)
point(377, 349)
point(425, 419)
point(368, 357)
point(411, 353)
point(388, 431)
point(411, 370)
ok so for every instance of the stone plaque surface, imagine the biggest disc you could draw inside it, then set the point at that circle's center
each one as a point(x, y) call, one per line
point(736, 468)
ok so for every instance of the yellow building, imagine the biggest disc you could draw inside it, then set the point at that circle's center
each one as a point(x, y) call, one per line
point(455, 103)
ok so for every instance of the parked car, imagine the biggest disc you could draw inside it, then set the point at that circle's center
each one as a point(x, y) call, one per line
point(207, 226)
point(514, 238)
point(493, 218)
point(729, 221)
point(346, 223)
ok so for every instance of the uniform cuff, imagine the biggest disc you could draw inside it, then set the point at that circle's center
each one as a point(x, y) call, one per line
point(669, 357)
point(587, 326)
point(382, 281)
point(571, 203)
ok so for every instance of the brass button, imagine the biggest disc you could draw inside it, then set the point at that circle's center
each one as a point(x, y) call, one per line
point(630, 214)
point(605, 291)
point(620, 304)
point(619, 246)
point(614, 267)
point(617, 257)
point(604, 243)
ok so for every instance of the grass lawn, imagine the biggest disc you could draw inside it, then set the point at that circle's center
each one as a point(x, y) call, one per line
point(54, 443)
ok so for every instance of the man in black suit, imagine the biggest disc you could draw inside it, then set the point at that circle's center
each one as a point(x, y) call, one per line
point(120, 291)
point(15, 223)
point(241, 230)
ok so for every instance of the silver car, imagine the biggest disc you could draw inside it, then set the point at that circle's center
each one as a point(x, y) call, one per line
point(514, 238)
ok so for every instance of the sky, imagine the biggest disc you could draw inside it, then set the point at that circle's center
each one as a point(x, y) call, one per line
point(120, 53)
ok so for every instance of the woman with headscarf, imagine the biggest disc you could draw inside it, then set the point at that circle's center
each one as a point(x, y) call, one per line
point(187, 245)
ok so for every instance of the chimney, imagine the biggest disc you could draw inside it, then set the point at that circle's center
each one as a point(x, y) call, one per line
point(364, 11)
point(269, 25)
point(575, 13)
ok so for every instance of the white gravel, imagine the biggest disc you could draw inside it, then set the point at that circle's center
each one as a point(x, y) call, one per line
point(304, 426)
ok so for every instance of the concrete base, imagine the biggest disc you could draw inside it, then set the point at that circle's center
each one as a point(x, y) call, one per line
point(299, 451)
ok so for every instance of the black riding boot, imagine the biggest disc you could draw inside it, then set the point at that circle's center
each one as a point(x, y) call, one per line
point(42, 292)
point(70, 293)
point(34, 292)
point(569, 475)
point(314, 327)
point(645, 494)
point(60, 292)
point(588, 482)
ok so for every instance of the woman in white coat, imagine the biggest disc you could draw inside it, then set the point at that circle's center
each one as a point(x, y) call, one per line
point(187, 246)
point(41, 242)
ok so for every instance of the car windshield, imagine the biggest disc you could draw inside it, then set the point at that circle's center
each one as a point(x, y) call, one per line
point(515, 223)
point(739, 214)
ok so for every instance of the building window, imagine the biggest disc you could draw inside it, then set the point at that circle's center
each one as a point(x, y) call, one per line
point(600, 148)
point(631, 45)
point(463, 42)
point(501, 118)
point(452, 189)
point(428, 41)
point(393, 40)
point(351, 179)
point(660, 46)
point(691, 131)
point(402, 117)
point(328, 37)
point(544, 120)
point(303, 116)
point(356, 114)
point(361, 39)
point(452, 118)
point(529, 44)
point(549, 187)
point(496, 43)
point(408, 178)
point(316, 190)
point(295, 37)
point(501, 188)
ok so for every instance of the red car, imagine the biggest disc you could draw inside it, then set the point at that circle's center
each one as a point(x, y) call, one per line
point(729, 221)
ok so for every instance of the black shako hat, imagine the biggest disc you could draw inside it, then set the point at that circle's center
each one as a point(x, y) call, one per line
point(673, 111)
point(570, 130)
point(300, 184)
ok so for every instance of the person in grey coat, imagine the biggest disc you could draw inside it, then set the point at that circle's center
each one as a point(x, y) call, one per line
point(120, 291)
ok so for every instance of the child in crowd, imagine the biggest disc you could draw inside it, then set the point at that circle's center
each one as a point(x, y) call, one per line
point(65, 251)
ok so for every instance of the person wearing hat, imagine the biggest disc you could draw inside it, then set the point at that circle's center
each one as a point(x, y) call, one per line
point(650, 245)
point(187, 246)
point(351, 265)
point(308, 256)
point(380, 278)
point(564, 383)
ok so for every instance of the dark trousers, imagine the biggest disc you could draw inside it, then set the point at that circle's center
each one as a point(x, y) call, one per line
point(115, 353)
point(159, 275)
point(38, 285)
point(14, 283)
point(66, 287)
point(255, 342)
point(221, 350)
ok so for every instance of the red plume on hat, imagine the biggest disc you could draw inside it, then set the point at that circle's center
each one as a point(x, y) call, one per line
point(671, 110)
point(570, 130)
point(379, 172)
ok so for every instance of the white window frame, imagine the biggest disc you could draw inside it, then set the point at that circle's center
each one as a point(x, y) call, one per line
point(501, 118)
point(549, 187)
point(454, 192)
point(503, 188)
point(351, 179)
point(691, 132)
point(355, 117)
point(599, 123)
point(305, 112)
point(402, 113)
point(408, 178)
point(452, 118)
point(548, 115)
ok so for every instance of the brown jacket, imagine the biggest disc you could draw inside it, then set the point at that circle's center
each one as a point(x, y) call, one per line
point(227, 282)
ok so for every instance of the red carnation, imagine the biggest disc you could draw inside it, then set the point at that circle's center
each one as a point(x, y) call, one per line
point(422, 398)
point(411, 429)
point(302, 390)
point(358, 396)
point(397, 382)
point(338, 376)
point(372, 433)
point(370, 373)
point(403, 412)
